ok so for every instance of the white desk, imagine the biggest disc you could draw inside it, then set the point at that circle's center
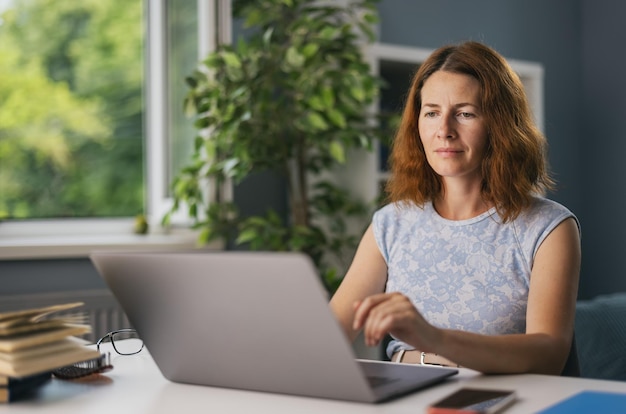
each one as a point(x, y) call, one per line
point(136, 386)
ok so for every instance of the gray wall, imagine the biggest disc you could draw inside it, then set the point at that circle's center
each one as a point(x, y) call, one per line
point(585, 99)
point(603, 140)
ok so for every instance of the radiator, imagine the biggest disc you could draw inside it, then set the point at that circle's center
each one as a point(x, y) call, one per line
point(100, 307)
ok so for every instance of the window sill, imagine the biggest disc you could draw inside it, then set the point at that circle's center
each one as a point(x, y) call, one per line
point(59, 244)
point(82, 246)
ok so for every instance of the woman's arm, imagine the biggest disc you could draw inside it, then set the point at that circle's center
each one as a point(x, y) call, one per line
point(366, 276)
point(549, 318)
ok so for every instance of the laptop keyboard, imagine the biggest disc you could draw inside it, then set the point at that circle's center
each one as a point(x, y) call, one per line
point(377, 381)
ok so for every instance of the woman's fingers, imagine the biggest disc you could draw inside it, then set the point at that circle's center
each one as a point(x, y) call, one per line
point(382, 314)
point(364, 307)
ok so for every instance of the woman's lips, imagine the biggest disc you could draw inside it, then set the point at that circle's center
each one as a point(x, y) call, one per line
point(448, 151)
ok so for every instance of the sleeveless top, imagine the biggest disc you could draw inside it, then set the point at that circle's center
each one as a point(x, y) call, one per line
point(471, 275)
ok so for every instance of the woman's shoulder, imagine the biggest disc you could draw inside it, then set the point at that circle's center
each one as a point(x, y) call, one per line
point(394, 222)
point(546, 211)
point(542, 205)
point(398, 217)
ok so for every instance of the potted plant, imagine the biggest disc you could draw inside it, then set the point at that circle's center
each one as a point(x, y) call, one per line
point(294, 96)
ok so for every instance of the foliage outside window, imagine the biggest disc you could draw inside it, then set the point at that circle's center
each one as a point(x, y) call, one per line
point(71, 108)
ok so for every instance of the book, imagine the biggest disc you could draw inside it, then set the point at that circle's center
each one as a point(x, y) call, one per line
point(590, 402)
point(47, 362)
point(39, 350)
point(35, 341)
point(10, 395)
point(13, 388)
point(10, 382)
point(34, 314)
point(19, 341)
point(37, 320)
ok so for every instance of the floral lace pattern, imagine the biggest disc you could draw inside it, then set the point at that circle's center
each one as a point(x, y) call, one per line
point(470, 275)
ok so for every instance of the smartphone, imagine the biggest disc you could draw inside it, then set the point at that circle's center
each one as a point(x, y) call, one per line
point(473, 401)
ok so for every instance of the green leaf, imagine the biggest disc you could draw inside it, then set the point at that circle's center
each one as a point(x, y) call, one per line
point(365, 141)
point(191, 82)
point(256, 221)
point(198, 142)
point(204, 236)
point(234, 73)
point(310, 50)
point(246, 116)
point(231, 59)
point(193, 210)
point(329, 33)
point(337, 151)
point(246, 236)
point(316, 103)
point(316, 121)
point(337, 118)
point(230, 166)
point(357, 93)
point(239, 92)
point(369, 33)
point(370, 18)
point(253, 17)
point(242, 47)
point(328, 96)
point(212, 61)
point(267, 36)
point(294, 58)
point(189, 107)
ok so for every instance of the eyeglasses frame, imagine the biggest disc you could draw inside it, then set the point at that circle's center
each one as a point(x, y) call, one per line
point(118, 331)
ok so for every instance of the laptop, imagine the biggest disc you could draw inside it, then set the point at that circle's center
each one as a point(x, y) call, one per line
point(249, 320)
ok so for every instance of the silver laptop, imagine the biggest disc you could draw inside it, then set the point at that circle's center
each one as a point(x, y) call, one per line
point(249, 320)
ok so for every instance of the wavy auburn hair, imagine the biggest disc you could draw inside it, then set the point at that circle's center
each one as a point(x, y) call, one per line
point(514, 168)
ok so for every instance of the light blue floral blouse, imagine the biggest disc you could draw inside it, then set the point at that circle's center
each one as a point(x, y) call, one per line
point(470, 275)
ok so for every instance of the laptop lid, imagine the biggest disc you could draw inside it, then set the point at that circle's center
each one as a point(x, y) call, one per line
point(248, 320)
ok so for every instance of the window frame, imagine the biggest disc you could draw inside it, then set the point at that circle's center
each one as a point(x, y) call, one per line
point(72, 238)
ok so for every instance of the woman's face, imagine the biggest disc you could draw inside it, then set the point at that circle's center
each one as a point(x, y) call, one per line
point(452, 127)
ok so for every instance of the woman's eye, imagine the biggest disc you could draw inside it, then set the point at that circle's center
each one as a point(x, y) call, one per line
point(429, 114)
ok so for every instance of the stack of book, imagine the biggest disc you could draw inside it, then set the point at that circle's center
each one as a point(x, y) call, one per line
point(34, 342)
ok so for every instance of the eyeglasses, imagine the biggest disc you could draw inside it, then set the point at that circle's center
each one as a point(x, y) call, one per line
point(124, 341)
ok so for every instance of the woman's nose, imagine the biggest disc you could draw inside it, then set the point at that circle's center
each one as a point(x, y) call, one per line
point(446, 129)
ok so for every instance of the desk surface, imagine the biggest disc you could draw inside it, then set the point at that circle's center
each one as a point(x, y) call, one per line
point(136, 385)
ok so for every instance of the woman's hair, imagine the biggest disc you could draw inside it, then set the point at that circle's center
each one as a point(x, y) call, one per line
point(514, 168)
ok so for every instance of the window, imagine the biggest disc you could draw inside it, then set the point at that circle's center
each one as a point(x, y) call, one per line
point(91, 125)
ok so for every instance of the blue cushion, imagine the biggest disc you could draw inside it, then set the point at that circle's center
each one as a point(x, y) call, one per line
point(600, 331)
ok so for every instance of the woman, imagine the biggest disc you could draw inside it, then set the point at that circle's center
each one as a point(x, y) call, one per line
point(469, 265)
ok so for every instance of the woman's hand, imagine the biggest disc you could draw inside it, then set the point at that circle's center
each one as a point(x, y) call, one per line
point(393, 313)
